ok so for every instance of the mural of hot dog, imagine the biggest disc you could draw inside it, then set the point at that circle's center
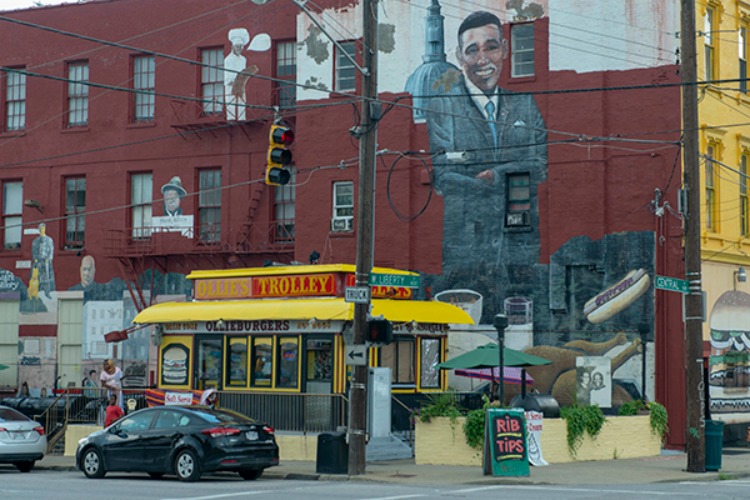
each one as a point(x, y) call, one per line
point(617, 297)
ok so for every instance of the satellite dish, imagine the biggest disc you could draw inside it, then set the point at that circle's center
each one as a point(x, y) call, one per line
point(260, 2)
point(260, 43)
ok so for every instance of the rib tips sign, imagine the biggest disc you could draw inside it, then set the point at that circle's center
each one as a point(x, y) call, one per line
point(505, 443)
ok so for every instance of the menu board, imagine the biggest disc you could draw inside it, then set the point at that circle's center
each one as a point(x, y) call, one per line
point(506, 447)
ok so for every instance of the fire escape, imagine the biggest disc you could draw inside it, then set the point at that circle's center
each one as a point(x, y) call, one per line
point(142, 252)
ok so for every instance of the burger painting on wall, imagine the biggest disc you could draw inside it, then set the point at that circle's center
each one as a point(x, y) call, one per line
point(729, 376)
point(617, 297)
point(174, 365)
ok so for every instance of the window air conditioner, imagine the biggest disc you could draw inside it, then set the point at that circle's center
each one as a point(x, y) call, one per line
point(341, 224)
point(516, 219)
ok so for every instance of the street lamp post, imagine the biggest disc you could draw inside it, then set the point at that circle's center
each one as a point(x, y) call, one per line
point(501, 323)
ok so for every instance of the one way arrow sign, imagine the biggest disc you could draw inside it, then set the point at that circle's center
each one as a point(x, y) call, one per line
point(356, 355)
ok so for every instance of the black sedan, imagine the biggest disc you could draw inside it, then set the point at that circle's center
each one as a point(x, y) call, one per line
point(182, 440)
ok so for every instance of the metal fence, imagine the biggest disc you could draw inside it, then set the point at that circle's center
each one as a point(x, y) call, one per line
point(290, 412)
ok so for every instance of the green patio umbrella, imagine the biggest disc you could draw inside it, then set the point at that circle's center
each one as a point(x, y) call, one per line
point(486, 356)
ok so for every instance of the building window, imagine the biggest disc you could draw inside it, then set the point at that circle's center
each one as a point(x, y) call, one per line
point(286, 69)
point(399, 357)
point(287, 375)
point(15, 100)
point(141, 199)
point(345, 70)
point(75, 208)
point(262, 361)
point(522, 50)
point(744, 222)
point(343, 206)
point(518, 200)
point(144, 84)
point(212, 81)
point(710, 173)
point(742, 48)
point(429, 374)
point(78, 94)
point(283, 207)
point(237, 362)
point(708, 44)
point(209, 205)
point(12, 210)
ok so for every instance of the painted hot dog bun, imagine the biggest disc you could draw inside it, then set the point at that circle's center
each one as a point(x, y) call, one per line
point(617, 297)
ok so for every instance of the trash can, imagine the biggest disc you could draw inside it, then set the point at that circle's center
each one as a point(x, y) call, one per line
point(714, 441)
point(333, 453)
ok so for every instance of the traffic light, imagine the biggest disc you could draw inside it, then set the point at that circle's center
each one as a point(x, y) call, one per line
point(279, 157)
point(379, 331)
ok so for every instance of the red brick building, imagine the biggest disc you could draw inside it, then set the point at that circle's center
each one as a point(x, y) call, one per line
point(109, 107)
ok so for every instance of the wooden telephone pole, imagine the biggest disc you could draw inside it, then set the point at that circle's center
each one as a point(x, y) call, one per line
point(696, 441)
point(365, 228)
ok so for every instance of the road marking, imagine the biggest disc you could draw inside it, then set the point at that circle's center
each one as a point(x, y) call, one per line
point(397, 497)
point(224, 495)
point(576, 490)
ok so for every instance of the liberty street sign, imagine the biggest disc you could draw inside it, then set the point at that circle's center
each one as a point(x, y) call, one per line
point(398, 280)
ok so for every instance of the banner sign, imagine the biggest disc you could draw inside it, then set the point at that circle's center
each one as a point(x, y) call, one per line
point(534, 437)
point(505, 442)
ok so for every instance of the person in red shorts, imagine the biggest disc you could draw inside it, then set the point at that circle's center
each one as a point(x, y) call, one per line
point(114, 412)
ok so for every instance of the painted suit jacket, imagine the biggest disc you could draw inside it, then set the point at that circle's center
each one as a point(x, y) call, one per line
point(455, 124)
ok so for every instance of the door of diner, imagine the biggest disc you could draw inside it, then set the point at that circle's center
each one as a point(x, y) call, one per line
point(208, 363)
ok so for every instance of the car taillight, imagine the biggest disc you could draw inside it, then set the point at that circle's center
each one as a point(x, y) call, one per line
point(40, 430)
point(3, 429)
point(220, 431)
point(269, 429)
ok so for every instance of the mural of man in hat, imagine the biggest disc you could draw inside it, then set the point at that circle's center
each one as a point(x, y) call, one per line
point(173, 193)
point(236, 77)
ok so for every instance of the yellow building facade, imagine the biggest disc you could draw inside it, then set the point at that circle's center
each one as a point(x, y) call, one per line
point(723, 27)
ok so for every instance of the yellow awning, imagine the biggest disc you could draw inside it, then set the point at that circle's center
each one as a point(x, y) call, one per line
point(401, 311)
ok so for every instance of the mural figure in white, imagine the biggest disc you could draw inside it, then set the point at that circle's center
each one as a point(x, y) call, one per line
point(42, 273)
point(236, 71)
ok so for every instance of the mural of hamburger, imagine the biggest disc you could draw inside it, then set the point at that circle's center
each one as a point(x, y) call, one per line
point(174, 369)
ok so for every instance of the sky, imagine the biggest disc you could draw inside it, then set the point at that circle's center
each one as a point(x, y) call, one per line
point(23, 4)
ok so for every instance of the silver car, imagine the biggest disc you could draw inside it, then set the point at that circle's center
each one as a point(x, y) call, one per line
point(22, 441)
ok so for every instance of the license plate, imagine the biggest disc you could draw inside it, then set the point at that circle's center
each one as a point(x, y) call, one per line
point(251, 435)
point(19, 435)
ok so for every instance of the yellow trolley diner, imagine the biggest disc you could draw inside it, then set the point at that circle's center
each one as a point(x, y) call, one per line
point(283, 330)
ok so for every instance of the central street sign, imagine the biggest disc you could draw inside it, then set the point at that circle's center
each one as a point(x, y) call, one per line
point(357, 294)
point(356, 355)
point(671, 284)
point(399, 280)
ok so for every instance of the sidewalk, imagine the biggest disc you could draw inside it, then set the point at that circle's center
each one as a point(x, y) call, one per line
point(669, 467)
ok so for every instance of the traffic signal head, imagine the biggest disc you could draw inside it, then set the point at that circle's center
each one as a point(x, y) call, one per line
point(279, 157)
point(379, 331)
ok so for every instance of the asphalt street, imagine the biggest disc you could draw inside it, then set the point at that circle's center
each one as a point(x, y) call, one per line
point(64, 485)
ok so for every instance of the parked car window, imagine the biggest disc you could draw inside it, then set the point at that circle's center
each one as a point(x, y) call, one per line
point(222, 416)
point(137, 422)
point(169, 419)
point(8, 414)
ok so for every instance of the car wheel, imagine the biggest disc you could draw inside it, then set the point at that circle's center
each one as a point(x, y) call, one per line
point(156, 475)
point(186, 466)
point(93, 465)
point(251, 474)
point(25, 466)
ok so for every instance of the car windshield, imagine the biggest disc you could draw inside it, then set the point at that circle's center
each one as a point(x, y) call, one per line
point(222, 416)
point(10, 415)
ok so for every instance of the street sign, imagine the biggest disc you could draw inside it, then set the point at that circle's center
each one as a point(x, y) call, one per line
point(398, 280)
point(357, 294)
point(671, 284)
point(356, 355)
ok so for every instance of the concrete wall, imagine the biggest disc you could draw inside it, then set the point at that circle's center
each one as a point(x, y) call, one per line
point(440, 442)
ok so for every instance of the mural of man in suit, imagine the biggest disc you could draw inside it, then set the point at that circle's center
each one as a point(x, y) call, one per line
point(493, 152)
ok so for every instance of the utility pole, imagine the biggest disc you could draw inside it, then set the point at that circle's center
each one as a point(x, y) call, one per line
point(367, 133)
point(696, 443)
